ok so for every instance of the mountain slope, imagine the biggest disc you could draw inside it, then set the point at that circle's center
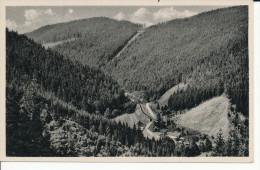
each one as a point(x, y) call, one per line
point(209, 51)
point(178, 46)
point(47, 107)
point(86, 88)
point(90, 41)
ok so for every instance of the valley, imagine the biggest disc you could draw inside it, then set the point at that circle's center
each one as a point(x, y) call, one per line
point(102, 87)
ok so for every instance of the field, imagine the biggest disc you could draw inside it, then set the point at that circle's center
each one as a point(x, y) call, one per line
point(133, 118)
point(209, 117)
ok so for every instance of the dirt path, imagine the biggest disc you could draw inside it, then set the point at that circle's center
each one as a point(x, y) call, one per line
point(126, 46)
point(128, 43)
point(149, 134)
point(151, 115)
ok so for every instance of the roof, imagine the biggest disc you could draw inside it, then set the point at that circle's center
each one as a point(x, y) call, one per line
point(172, 137)
point(164, 130)
point(175, 133)
point(182, 138)
point(186, 143)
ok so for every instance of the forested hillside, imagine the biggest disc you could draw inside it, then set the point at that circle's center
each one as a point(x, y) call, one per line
point(39, 124)
point(84, 87)
point(209, 51)
point(90, 41)
point(48, 114)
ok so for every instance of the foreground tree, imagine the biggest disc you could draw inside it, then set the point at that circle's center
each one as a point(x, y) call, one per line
point(219, 148)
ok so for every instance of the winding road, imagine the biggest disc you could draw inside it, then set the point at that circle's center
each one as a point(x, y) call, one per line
point(151, 115)
point(150, 111)
point(147, 132)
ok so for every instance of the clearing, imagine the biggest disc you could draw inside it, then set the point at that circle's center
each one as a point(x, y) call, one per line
point(133, 118)
point(208, 117)
point(53, 44)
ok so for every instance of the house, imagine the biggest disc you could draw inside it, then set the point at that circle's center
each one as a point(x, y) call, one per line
point(179, 142)
point(186, 143)
point(174, 135)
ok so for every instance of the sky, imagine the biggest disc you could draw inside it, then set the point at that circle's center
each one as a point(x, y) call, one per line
point(26, 19)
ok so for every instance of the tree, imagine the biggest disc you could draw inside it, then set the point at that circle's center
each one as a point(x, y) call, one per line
point(107, 113)
point(208, 145)
point(236, 146)
point(195, 151)
point(228, 148)
point(158, 106)
point(219, 148)
point(28, 99)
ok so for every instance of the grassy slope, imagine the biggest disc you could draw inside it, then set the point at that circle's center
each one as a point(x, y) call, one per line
point(96, 40)
point(165, 97)
point(209, 117)
point(135, 117)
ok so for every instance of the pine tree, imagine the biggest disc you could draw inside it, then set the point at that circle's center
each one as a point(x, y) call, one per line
point(195, 151)
point(208, 145)
point(236, 146)
point(228, 148)
point(219, 148)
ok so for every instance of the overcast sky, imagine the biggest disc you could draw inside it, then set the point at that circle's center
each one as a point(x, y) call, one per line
point(26, 19)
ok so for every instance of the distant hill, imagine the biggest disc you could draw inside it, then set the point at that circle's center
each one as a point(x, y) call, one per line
point(90, 41)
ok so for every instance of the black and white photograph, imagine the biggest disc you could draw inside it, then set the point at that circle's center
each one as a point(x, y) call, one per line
point(137, 81)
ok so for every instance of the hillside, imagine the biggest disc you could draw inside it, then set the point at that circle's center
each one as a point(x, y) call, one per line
point(84, 87)
point(209, 50)
point(51, 100)
point(209, 117)
point(90, 41)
